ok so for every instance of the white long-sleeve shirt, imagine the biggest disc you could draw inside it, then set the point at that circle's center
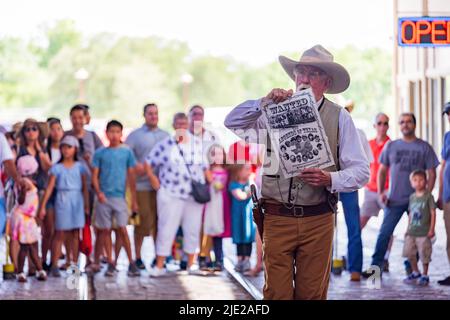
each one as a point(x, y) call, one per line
point(354, 170)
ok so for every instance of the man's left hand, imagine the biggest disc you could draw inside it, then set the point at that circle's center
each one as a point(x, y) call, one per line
point(316, 177)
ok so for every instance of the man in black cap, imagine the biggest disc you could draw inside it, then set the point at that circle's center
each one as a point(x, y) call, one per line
point(444, 188)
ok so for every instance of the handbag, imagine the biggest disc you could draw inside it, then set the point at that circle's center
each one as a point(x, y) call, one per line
point(200, 191)
point(86, 238)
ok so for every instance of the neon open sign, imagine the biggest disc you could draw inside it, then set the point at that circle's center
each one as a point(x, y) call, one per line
point(424, 31)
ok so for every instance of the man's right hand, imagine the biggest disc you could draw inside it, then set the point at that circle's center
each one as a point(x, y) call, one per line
point(277, 95)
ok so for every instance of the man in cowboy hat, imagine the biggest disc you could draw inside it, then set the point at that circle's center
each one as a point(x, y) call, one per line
point(298, 223)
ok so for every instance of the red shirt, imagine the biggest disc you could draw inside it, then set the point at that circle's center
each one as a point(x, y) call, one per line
point(375, 165)
point(239, 152)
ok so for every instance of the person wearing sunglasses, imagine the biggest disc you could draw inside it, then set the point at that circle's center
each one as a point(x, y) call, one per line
point(32, 137)
point(208, 139)
point(400, 157)
point(372, 204)
point(32, 142)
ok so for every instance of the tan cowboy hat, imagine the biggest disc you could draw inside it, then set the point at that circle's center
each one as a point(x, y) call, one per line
point(321, 58)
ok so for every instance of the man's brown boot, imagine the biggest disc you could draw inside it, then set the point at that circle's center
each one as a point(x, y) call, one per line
point(355, 276)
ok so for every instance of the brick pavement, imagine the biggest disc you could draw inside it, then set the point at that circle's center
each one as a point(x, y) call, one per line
point(121, 287)
point(392, 286)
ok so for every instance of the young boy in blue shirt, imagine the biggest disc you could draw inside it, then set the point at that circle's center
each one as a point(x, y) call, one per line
point(113, 168)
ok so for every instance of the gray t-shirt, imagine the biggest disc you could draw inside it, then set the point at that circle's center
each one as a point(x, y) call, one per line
point(141, 141)
point(420, 214)
point(402, 158)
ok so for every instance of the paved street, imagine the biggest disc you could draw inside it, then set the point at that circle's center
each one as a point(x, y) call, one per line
point(224, 286)
point(392, 286)
point(178, 286)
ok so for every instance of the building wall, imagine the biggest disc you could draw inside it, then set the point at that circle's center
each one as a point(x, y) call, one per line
point(422, 75)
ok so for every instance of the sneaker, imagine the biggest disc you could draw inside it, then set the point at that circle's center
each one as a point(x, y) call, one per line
point(195, 270)
point(103, 260)
point(386, 265)
point(203, 264)
point(31, 270)
point(253, 272)
point(64, 267)
point(367, 274)
point(46, 266)
point(445, 282)
point(133, 270)
point(41, 275)
point(140, 264)
point(168, 260)
point(183, 265)
point(93, 268)
point(412, 278)
point(246, 265)
point(424, 281)
point(157, 272)
point(110, 270)
point(218, 266)
point(408, 269)
point(238, 266)
point(54, 272)
point(21, 277)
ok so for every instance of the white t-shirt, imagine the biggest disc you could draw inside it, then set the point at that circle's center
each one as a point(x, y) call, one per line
point(5, 154)
point(55, 154)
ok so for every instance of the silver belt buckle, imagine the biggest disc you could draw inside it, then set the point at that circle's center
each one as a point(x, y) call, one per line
point(298, 211)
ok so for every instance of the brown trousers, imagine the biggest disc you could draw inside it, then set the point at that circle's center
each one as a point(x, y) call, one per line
point(297, 257)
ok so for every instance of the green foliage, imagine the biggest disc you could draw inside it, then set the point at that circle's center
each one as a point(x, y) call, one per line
point(127, 72)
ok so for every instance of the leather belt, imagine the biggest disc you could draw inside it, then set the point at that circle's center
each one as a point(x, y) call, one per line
point(297, 211)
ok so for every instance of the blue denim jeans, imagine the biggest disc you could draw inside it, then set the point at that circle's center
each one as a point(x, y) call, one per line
point(354, 248)
point(392, 215)
point(2, 216)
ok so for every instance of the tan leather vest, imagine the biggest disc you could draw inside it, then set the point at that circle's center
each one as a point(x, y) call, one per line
point(291, 190)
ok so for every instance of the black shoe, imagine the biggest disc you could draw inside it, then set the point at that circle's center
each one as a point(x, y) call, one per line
point(408, 268)
point(218, 266)
point(110, 271)
point(46, 266)
point(154, 263)
point(183, 265)
point(367, 274)
point(202, 263)
point(445, 282)
point(140, 264)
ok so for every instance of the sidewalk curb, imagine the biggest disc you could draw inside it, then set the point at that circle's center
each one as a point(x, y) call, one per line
point(245, 284)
